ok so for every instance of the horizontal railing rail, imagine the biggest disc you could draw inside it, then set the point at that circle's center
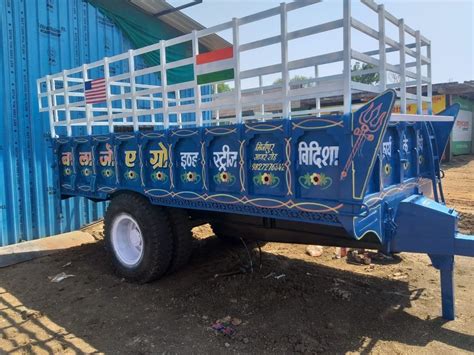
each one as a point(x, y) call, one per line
point(122, 90)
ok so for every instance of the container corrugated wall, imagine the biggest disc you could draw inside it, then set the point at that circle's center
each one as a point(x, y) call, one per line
point(40, 37)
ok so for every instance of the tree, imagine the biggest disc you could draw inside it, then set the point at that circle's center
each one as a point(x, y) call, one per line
point(372, 78)
point(222, 87)
point(293, 80)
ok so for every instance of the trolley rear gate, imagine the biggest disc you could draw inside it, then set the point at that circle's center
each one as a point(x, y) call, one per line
point(359, 174)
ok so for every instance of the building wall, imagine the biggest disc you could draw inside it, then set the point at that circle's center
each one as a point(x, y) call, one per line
point(462, 136)
point(41, 37)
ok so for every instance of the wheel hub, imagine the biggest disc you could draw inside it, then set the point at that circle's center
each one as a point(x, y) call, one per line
point(127, 240)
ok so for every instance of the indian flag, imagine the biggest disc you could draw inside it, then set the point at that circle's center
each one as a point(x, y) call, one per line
point(215, 66)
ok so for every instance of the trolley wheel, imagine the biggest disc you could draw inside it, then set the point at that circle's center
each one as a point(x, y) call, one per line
point(224, 234)
point(182, 238)
point(138, 238)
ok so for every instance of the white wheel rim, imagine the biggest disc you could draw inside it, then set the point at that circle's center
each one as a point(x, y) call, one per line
point(127, 240)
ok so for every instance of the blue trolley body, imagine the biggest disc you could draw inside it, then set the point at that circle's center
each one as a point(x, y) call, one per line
point(369, 174)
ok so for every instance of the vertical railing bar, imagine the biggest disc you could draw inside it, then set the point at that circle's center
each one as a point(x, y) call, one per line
point(178, 103)
point(131, 68)
point(55, 102)
point(197, 88)
point(347, 25)
point(152, 107)
point(382, 53)
point(88, 112)
point(318, 99)
point(218, 117)
point(285, 75)
point(238, 89)
point(216, 93)
point(50, 107)
point(108, 94)
point(262, 105)
point(123, 102)
point(66, 104)
point(39, 92)
point(430, 84)
point(403, 78)
point(419, 101)
point(164, 84)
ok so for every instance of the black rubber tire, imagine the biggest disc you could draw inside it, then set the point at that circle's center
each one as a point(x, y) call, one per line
point(182, 238)
point(156, 232)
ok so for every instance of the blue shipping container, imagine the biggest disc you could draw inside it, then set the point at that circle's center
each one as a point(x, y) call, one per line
point(41, 37)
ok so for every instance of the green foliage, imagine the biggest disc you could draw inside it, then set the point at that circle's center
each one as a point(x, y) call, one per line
point(293, 80)
point(372, 78)
point(222, 87)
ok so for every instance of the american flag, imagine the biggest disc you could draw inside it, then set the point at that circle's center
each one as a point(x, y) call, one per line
point(95, 91)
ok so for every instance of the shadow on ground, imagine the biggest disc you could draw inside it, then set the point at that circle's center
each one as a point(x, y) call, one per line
point(313, 308)
point(458, 161)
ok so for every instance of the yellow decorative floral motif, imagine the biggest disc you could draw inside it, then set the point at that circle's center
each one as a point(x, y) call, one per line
point(131, 175)
point(190, 177)
point(107, 173)
point(266, 179)
point(224, 177)
point(315, 179)
point(159, 176)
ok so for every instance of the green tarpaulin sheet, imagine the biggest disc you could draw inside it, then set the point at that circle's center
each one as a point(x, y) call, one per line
point(143, 29)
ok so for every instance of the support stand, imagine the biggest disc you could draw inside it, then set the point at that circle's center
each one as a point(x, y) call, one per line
point(445, 264)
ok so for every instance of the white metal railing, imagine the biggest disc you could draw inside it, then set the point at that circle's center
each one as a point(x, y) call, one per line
point(129, 101)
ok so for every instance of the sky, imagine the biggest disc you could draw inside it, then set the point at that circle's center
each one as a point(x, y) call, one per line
point(449, 24)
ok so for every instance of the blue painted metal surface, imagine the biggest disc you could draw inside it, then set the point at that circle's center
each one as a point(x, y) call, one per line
point(295, 170)
point(38, 38)
point(357, 171)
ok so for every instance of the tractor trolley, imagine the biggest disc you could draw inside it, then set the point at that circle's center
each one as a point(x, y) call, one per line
point(326, 159)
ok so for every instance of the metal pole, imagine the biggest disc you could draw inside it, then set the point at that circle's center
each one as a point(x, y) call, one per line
point(85, 77)
point(133, 89)
point(50, 107)
point(318, 99)
point(419, 99)
point(430, 83)
point(382, 54)
point(66, 104)
point(347, 56)
point(107, 88)
point(238, 90)
point(403, 80)
point(197, 88)
point(178, 103)
point(262, 106)
point(285, 75)
point(164, 84)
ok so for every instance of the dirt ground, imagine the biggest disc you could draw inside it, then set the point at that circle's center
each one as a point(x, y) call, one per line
point(294, 303)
